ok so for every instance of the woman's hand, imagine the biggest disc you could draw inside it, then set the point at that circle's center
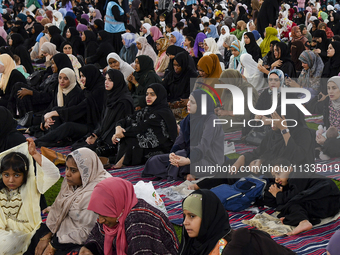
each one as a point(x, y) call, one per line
point(278, 120)
point(48, 57)
point(49, 250)
point(318, 51)
point(179, 161)
point(320, 139)
point(120, 132)
point(91, 139)
point(323, 97)
point(262, 69)
point(292, 83)
point(51, 114)
point(24, 92)
point(85, 251)
point(274, 189)
point(277, 63)
point(43, 243)
point(31, 147)
point(49, 123)
point(46, 210)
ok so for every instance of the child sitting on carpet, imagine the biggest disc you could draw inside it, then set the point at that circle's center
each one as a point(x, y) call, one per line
point(20, 191)
point(303, 197)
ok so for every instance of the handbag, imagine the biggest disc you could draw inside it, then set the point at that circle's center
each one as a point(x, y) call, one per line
point(256, 135)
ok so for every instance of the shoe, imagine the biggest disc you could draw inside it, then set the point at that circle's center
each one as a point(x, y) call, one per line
point(26, 121)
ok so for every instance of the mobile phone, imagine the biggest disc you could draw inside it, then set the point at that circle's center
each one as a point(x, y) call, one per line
point(260, 61)
point(286, 76)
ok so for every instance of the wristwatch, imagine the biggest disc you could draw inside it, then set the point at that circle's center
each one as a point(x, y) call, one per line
point(284, 131)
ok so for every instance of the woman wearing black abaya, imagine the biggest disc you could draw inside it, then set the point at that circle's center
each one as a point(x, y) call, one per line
point(332, 66)
point(28, 98)
point(36, 30)
point(251, 46)
point(80, 119)
point(242, 14)
point(177, 81)
point(56, 38)
point(73, 37)
point(105, 48)
point(322, 44)
point(16, 42)
point(90, 43)
point(172, 51)
point(69, 22)
point(283, 60)
point(267, 15)
point(140, 79)
point(148, 132)
point(118, 104)
point(9, 136)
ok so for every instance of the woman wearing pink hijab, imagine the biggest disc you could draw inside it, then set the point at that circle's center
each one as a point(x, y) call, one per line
point(126, 224)
point(3, 33)
point(155, 33)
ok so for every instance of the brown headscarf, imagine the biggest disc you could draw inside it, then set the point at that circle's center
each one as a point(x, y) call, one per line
point(210, 65)
point(295, 38)
point(164, 43)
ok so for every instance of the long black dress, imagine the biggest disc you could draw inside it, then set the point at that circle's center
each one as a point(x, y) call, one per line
point(90, 44)
point(150, 131)
point(15, 77)
point(267, 15)
point(19, 49)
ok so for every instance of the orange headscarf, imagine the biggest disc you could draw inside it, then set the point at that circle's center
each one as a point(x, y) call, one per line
point(210, 64)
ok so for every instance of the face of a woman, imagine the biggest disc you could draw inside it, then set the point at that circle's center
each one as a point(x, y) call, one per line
point(114, 64)
point(273, 81)
point(173, 39)
point(234, 52)
point(68, 33)
point(54, 66)
point(108, 82)
point(94, 14)
point(304, 31)
point(137, 66)
point(82, 78)
point(298, 33)
point(10, 42)
point(29, 20)
point(2, 68)
point(333, 91)
point(192, 223)
point(150, 96)
point(64, 82)
point(277, 52)
point(330, 51)
point(110, 222)
point(206, 47)
point(177, 67)
point(191, 105)
point(144, 30)
point(67, 49)
point(223, 31)
point(139, 45)
point(201, 72)
point(83, 36)
point(158, 46)
point(305, 66)
point(246, 39)
point(72, 173)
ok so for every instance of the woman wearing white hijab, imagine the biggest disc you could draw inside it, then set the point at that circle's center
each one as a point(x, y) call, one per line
point(210, 47)
point(58, 21)
point(144, 48)
point(115, 62)
point(251, 72)
point(225, 32)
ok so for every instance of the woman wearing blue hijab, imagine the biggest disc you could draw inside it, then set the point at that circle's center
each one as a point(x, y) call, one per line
point(177, 39)
point(212, 32)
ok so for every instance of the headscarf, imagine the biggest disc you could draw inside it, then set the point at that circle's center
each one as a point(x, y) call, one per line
point(307, 77)
point(9, 65)
point(93, 76)
point(333, 63)
point(17, 40)
point(214, 225)
point(271, 35)
point(210, 64)
point(81, 28)
point(237, 46)
point(73, 82)
point(85, 16)
point(45, 21)
point(156, 33)
point(22, 16)
point(296, 49)
point(222, 38)
point(211, 43)
point(98, 16)
point(90, 37)
point(213, 32)
point(256, 34)
point(60, 18)
point(124, 67)
point(146, 49)
point(147, 26)
point(49, 14)
point(49, 48)
point(129, 39)
point(114, 197)
point(179, 38)
point(164, 44)
point(199, 39)
point(295, 38)
point(335, 103)
point(281, 76)
point(252, 47)
point(146, 65)
point(62, 61)
point(91, 171)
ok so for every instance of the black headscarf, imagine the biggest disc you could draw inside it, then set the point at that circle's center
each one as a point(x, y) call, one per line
point(106, 36)
point(18, 49)
point(242, 15)
point(160, 105)
point(324, 44)
point(100, 24)
point(94, 92)
point(332, 66)
point(118, 95)
point(146, 65)
point(90, 37)
point(9, 136)
point(66, 43)
point(62, 60)
point(17, 40)
point(174, 50)
point(32, 18)
point(56, 38)
point(253, 48)
point(214, 226)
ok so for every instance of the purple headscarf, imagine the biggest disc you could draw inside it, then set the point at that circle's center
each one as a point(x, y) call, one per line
point(199, 39)
point(85, 16)
point(81, 28)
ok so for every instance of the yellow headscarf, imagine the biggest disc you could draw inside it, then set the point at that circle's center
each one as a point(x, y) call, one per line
point(9, 65)
point(270, 36)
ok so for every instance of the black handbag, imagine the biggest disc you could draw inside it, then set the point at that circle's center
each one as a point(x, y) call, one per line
point(256, 135)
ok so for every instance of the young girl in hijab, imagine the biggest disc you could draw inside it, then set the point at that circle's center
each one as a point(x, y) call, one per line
point(117, 105)
point(72, 36)
point(251, 46)
point(16, 41)
point(134, 224)
point(144, 48)
point(240, 29)
point(149, 131)
point(225, 32)
point(212, 32)
point(129, 50)
point(139, 81)
point(163, 59)
point(90, 43)
point(199, 46)
point(21, 186)
point(210, 47)
point(69, 222)
point(115, 62)
point(177, 164)
point(271, 35)
point(236, 50)
point(322, 44)
point(146, 34)
point(177, 39)
point(56, 38)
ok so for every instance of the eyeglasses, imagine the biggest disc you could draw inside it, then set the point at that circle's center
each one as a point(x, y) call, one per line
point(274, 79)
